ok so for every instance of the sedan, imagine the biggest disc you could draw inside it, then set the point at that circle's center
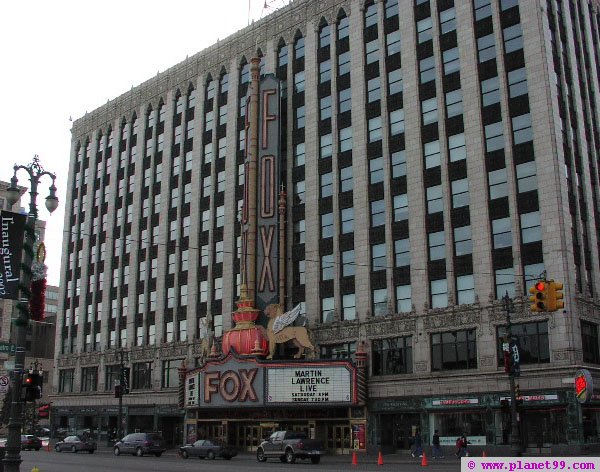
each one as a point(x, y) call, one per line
point(75, 444)
point(29, 441)
point(209, 448)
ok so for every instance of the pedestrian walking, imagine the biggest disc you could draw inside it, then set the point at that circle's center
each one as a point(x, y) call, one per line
point(462, 444)
point(418, 450)
point(436, 450)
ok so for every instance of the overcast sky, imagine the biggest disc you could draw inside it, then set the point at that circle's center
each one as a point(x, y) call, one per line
point(62, 58)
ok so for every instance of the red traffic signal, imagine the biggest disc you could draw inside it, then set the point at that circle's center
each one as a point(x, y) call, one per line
point(540, 286)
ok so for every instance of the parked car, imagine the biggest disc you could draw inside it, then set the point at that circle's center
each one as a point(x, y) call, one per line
point(75, 444)
point(289, 446)
point(29, 441)
point(209, 448)
point(139, 444)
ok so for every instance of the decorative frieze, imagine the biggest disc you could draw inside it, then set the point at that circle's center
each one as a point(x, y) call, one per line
point(67, 361)
point(391, 325)
point(335, 333)
point(458, 319)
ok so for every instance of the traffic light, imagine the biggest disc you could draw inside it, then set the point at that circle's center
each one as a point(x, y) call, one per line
point(118, 391)
point(32, 386)
point(555, 296)
point(539, 296)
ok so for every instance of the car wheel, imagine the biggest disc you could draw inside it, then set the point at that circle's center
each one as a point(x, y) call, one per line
point(260, 456)
point(139, 452)
point(289, 456)
point(184, 454)
point(73, 449)
point(315, 460)
point(117, 451)
point(57, 448)
point(158, 454)
point(210, 455)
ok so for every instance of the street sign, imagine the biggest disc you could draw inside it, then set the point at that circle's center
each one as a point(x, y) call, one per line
point(4, 382)
point(7, 347)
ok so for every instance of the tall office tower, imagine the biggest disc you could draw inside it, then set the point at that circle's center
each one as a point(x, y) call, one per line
point(436, 156)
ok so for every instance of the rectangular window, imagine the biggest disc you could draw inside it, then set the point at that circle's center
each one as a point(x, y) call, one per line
point(380, 302)
point(393, 44)
point(326, 145)
point(454, 350)
point(513, 38)
point(395, 84)
point(465, 289)
point(376, 170)
point(325, 107)
point(112, 373)
point(300, 117)
point(377, 213)
point(483, 9)
point(460, 193)
point(486, 47)
point(299, 232)
point(437, 245)
point(338, 351)
point(403, 299)
point(327, 268)
point(348, 264)
point(517, 83)
point(327, 225)
point(531, 227)
point(522, 131)
point(327, 310)
point(170, 373)
point(326, 185)
point(65, 380)
point(299, 192)
point(526, 177)
point(490, 91)
point(532, 339)
point(392, 356)
point(454, 103)
point(427, 69)
point(375, 129)
point(431, 154)
point(401, 207)
point(402, 252)
point(589, 342)
point(447, 20)
point(435, 202)
point(345, 143)
point(325, 71)
point(347, 217)
point(344, 63)
point(346, 179)
point(456, 147)
point(494, 137)
point(349, 307)
point(300, 155)
point(505, 282)
point(424, 30)
point(463, 243)
point(501, 230)
point(497, 181)
point(429, 111)
point(89, 379)
point(398, 164)
point(372, 51)
point(378, 257)
point(439, 293)
point(142, 375)
point(451, 61)
point(397, 122)
point(374, 90)
point(345, 100)
point(299, 79)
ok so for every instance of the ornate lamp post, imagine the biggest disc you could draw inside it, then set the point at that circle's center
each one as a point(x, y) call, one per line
point(13, 460)
point(515, 439)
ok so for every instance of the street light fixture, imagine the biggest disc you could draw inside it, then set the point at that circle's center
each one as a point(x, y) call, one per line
point(515, 439)
point(13, 459)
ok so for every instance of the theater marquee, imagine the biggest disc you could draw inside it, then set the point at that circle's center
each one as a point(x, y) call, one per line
point(238, 382)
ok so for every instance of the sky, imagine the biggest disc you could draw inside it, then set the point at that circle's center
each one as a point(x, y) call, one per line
point(62, 58)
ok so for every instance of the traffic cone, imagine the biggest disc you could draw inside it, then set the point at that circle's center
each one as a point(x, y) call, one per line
point(484, 454)
point(35, 469)
point(354, 458)
point(424, 460)
point(380, 459)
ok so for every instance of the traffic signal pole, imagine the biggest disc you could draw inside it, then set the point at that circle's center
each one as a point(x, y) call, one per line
point(515, 438)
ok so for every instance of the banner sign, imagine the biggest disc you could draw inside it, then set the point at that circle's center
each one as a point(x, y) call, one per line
point(11, 247)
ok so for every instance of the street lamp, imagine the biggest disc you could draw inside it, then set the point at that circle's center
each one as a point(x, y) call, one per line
point(515, 439)
point(13, 460)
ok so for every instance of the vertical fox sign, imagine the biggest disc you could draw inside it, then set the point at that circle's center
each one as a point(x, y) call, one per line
point(260, 248)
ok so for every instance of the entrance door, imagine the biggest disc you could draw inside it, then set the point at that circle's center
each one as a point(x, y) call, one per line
point(339, 438)
point(248, 437)
point(396, 430)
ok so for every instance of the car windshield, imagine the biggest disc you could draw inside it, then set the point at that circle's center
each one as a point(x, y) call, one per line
point(199, 443)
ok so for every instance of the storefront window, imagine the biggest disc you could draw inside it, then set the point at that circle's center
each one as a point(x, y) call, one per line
point(142, 375)
point(338, 351)
point(460, 422)
point(392, 356)
point(591, 419)
point(532, 339)
point(453, 350)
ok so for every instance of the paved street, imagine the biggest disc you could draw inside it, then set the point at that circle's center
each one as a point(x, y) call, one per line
point(103, 461)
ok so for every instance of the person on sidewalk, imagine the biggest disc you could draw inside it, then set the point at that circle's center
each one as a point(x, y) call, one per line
point(436, 450)
point(418, 451)
point(462, 444)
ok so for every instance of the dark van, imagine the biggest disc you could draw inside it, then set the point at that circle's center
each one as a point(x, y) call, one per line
point(139, 444)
